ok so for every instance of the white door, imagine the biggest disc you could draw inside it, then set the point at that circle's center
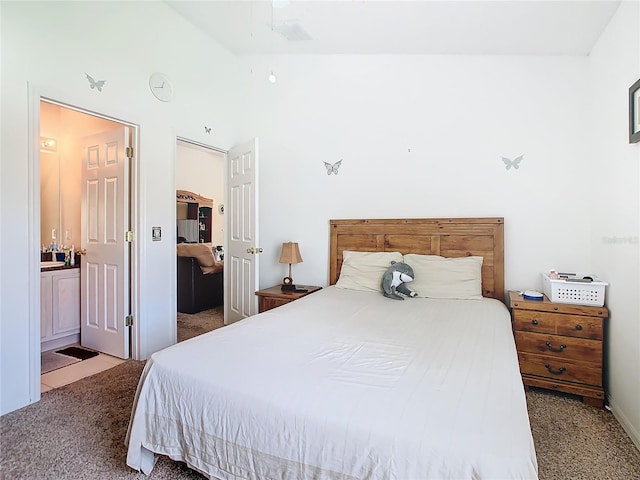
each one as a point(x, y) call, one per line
point(105, 220)
point(241, 258)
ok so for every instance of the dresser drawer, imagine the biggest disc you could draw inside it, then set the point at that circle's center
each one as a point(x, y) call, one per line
point(560, 369)
point(558, 323)
point(580, 326)
point(581, 349)
point(532, 321)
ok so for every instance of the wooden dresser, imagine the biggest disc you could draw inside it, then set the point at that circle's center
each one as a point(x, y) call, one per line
point(560, 346)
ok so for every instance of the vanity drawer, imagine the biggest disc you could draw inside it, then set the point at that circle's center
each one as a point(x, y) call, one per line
point(561, 369)
point(581, 349)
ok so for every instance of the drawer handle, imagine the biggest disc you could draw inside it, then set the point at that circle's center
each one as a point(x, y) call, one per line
point(559, 350)
point(560, 371)
point(578, 327)
point(534, 322)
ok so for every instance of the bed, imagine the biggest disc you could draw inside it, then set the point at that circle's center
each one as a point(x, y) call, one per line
point(348, 384)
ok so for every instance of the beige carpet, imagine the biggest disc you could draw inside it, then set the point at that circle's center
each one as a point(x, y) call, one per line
point(78, 432)
point(191, 325)
point(577, 442)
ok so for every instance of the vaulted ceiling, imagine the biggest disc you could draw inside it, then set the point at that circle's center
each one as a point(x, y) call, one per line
point(503, 27)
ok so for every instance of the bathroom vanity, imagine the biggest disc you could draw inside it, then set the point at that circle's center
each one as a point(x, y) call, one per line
point(59, 306)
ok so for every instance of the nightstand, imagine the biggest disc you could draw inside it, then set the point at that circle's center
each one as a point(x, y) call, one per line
point(560, 346)
point(274, 296)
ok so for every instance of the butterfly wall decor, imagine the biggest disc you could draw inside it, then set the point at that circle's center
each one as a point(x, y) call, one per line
point(207, 129)
point(332, 168)
point(95, 84)
point(515, 163)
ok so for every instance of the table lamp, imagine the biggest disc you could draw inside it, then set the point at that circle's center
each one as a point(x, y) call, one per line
point(290, 254)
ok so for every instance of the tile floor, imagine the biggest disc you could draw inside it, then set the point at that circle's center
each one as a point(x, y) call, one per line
point(77, 371)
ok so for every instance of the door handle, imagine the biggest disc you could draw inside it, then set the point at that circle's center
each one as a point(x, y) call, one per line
point(253, 251)
point(82, 251)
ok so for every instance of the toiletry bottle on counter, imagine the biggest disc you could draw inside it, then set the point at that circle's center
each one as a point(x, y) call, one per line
point(72, 255)
point(54, 246)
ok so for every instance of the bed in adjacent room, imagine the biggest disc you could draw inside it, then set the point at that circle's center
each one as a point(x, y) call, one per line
point(349, 384)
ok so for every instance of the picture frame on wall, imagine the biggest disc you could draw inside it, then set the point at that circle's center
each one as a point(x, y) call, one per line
point(634, 112)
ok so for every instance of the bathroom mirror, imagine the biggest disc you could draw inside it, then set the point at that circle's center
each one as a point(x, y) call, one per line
point(50, 198)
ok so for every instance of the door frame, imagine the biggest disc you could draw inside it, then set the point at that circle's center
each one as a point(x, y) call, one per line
point(35, 95)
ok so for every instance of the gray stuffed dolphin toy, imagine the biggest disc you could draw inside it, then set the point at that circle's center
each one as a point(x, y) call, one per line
point(394, 281)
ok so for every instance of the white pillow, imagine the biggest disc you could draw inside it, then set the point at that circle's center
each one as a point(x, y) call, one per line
point(364, 270)
point(440, 277)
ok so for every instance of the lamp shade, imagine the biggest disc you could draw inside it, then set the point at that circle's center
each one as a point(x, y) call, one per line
point(290, 253)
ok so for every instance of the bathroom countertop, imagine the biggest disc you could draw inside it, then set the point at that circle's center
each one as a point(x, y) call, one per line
point(62, 267)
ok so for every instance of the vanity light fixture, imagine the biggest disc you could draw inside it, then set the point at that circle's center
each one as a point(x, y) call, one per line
point(48, 144)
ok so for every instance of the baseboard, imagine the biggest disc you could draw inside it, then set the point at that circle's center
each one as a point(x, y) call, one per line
point(634, 435)
point(60, 342)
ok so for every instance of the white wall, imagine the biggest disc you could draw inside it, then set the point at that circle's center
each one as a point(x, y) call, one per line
point(51, 45)
point(614, 66)
point(459, 115)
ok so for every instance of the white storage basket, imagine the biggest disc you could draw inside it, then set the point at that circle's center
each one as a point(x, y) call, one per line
point(579, 293)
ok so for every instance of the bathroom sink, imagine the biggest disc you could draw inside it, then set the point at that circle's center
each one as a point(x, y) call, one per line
point(51, 264)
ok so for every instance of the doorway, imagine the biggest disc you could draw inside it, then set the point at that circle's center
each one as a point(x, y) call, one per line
point(200, 184)
point(64, 131)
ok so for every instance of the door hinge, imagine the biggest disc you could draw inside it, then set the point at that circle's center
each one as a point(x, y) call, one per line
point(128, 321)
point(128, 236)
point(129, 152)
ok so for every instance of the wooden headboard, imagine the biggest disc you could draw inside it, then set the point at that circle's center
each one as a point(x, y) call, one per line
point(448, 237)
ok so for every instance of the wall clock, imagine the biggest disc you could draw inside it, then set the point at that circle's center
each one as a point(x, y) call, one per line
point(161, 87)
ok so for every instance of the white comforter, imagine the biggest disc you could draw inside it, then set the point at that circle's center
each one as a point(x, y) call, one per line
point(342, 384)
